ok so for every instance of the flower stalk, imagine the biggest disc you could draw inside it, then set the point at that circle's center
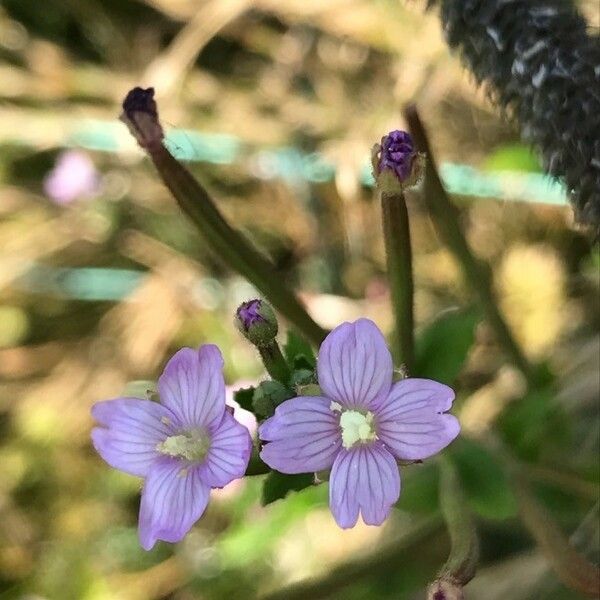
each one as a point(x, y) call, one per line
point(396, 234)
point(461, 565)
point(141, 116)
point(476, 272)
point(274, 362)
point(397, 166)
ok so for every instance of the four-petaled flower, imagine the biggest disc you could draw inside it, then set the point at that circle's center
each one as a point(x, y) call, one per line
point(183, 446)
point(360, 424)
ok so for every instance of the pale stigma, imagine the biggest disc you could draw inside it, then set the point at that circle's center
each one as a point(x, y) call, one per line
point(356, 428)
point(192, 446)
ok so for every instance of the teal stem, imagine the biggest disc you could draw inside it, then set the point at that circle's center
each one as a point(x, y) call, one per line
point(396, 234)
point(228, 244)
point(274, 362)
point(476, 272)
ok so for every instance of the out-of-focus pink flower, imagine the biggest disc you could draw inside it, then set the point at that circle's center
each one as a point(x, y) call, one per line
point(73, 177)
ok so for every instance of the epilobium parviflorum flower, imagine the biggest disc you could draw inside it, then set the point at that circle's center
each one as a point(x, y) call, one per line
point(183, 445)
point(360, 425)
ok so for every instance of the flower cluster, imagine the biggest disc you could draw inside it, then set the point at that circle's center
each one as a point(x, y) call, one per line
point(359, 426)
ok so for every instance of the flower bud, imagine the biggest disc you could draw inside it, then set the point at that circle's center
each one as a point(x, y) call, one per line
point(140, 114)
point(257, 322)
point(445, 589)
point(396, 163)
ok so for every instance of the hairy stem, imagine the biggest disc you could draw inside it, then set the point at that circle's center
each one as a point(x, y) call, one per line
point(229, 245)
point(396, 233)
point(464, 553)
point(274, 362)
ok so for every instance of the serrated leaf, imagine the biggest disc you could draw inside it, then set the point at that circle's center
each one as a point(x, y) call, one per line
point(298, 352)
point(443, 346)
point(278, 485)
point(483, 480)
point(244, 397)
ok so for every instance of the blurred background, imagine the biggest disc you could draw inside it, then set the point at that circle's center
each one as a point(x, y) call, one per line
point(275, 105)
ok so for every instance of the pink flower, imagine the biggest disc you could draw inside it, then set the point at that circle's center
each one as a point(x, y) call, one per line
point(360, 425)
point(72, 177)
point(183, 446)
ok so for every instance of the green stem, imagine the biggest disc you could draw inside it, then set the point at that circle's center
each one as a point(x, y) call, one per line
point(477, 273)
point(464, 552)
point(396, 233)
point(274, 362)
point(228, 244)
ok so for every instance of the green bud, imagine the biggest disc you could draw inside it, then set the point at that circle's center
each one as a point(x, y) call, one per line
point(268, 396)
point(257, 322)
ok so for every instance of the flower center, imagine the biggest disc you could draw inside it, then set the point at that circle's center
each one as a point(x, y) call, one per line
point(192, 446)
point(357, 428)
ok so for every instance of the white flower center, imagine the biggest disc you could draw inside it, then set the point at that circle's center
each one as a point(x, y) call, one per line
point(192, 446)
point(357, 428)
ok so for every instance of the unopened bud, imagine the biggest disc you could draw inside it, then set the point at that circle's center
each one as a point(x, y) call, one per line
point(257, 322)
point(141, 117)
point(445, 589)
point(396, 163)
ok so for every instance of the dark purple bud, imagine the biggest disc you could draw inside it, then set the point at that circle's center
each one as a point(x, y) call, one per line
point(396, 163)
point(140, 114)
point(398, 154)
point(257, 322)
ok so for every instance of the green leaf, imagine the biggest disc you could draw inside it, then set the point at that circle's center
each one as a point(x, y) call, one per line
point(534, 425)
point(298, 352)
point(244, 397)
point(268, 396)
point(278, 486)
point(302, 377)
point(419, 489)
point(483, 480)
point(443, 347)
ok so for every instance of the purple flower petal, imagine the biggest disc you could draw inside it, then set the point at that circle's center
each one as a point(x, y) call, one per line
point(411, 422)
point(132, 429)
point(192, 386)
point(228, 455)
point(173, 499)
point(303, 436)
point(355, 366)
point(365, 479)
